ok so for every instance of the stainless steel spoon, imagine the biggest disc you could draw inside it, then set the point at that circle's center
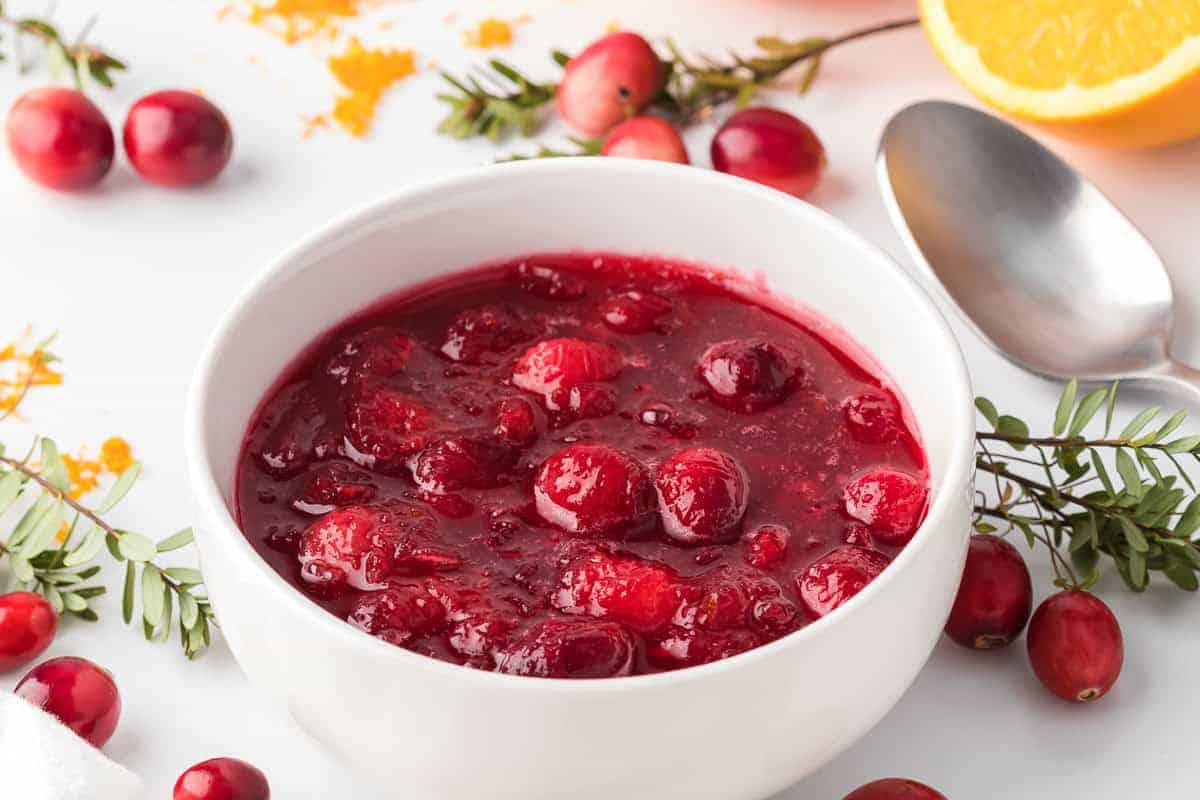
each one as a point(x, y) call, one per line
point(1041, 264)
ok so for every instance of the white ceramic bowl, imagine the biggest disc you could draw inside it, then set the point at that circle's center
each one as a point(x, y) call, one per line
point(744, 727)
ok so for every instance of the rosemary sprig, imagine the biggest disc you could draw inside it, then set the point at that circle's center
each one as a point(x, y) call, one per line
point(78, 57)
point(581, 147)
point(1060, 491)
point(497, 99)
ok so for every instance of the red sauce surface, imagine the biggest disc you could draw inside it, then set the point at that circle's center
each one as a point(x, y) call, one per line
point(579, 466)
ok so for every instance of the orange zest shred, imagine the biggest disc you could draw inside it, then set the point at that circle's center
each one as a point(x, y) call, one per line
point(490, 32)
point(85, 473)
point(612, 27)
point(22, 369)
point(294, 20)
point(367, 74)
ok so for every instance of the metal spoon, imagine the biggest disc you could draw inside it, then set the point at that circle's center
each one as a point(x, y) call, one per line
point(1041, 264)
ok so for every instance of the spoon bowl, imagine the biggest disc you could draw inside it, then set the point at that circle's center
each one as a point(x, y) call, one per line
point(1042, 265)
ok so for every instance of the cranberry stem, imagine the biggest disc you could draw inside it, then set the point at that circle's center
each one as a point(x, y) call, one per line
point(1075, 441)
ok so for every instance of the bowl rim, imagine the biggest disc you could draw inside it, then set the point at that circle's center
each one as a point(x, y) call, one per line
point(219, 523)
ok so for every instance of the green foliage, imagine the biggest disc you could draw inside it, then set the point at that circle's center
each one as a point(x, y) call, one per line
point(509, 101)
point(78, 59)
point(1060, 491)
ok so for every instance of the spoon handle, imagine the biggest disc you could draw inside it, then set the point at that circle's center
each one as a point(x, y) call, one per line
point(1177, 375)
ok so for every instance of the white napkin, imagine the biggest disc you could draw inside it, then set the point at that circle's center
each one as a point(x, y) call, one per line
point(42, 759)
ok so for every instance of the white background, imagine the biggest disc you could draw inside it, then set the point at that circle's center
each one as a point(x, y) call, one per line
point(133, 277)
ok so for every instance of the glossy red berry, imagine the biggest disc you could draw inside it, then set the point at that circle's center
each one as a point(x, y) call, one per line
point(59, 138)
point(398, 613)
point(651, 138)
point(702, 496)
point(771, 147)
point(1075, 646)
point(80, 694)
point(832, 580)
point(385, 426)
point(634, 311)
point(347, 547)
point(748, 375)
point(874, 417)
point(332, 485)
point(553, 366)
point(570, 649)
point(177, 138)
point(477, 334)
point(613, 78)
point(222, 779)
point(27, 627)
point(895, 789)
point(641, 594)
point(594, 490)
point(890, 502)
point(994, 597)
point(766, 545)
point(462, 462)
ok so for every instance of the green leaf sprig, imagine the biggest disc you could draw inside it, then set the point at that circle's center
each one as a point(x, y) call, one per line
point(1125, 498)
point(497, 99)
point(78, 58)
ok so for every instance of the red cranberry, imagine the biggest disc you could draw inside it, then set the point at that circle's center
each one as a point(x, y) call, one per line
point(332, 485)
point(478, 332)
point(560, 364)
point(222, 779)
point(835, 578)
point(614, 77)
point(381, 352)
point(516, 422)
point(594, 490)
point(585, 401)
point(59, 138)
point(478, 629)
point(748, 375)
point(641, 594)
point(773, 614)
point(385, 426)
point(27, 627)
point(177, 138)
point(549, 283)
point(766, 545)
point(690, 648)
point(80, 694)
point(398, 613)
point(633, 311)
point(889, 501)
point(651, 138)
point(895, 789)
point(718, 604)
point(462, 462)
point(575, 649)
point(348, 546)
point(702, 496)
point(293, 422)
point(771, 147)
point(1075, 646)
point(994, 597)
point(873, 417)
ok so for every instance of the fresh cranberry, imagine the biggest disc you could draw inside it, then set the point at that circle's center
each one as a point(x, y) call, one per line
point(614, 77)
point(651, 138)
point(398, 613)
point(222, 779)
point(177, 138)
point(702, 496)
point(641, 594)
point(332, 485)
point(771, 147)
point(293, 424)
point(873, 417)
point(516, 422)
point(994, 598)
point(381, 352)
point(385, 426)
point(766, 545)
point(575, 649)
point(633, 311)
point(690, 648)
point(834, 578)
point(27, 627)
point(557, 365)
point(80, 694)
point(889, 501)
point(594, 490)
point(895, 789)
point(549, 283)
point(479, 332)
point(462, 462)
point(348, 546)
point(1075, 646)
point(748, 375)
point(59, 138)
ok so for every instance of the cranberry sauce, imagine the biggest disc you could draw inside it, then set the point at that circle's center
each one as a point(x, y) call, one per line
point(579, 466)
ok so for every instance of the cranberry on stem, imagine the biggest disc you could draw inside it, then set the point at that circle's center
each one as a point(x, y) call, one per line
point(1075, 646)
point(177, 138)
point(770, 147)
point(27, 627)
point(80, 694)
point(994, 597)
point(59, 138)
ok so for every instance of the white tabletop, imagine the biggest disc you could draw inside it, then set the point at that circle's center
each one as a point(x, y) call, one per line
point(133, 278)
